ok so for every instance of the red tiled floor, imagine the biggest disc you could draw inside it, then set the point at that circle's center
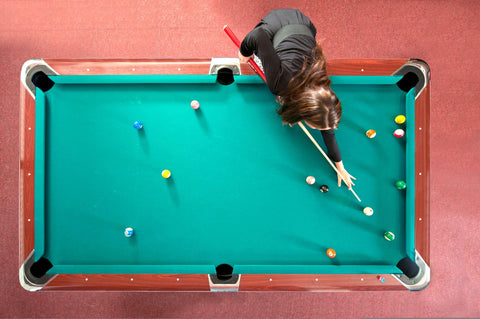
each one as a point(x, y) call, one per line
point(444, 33)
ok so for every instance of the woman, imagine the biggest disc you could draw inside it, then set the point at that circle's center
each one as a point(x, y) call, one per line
point(295, 69)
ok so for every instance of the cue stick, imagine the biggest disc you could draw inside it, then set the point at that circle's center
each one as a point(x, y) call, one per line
point(326, 157)
point(235, 40)
point(252, 63)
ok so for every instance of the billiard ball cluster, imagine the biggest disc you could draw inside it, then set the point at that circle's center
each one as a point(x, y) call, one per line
point(368, 211)
point(194, 105)
point(399, 119)
point(139, 126)
point(128, 232)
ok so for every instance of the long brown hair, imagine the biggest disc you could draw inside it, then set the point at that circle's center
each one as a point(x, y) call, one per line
point(309, 97)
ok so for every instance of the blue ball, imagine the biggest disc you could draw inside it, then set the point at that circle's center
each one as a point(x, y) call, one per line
point(128, 232)
point(138, 125)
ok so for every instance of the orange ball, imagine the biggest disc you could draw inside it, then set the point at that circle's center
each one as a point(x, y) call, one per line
point(331, 253)
point(371, 133)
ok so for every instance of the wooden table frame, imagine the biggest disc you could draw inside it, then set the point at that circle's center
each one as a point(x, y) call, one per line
point(173, 282)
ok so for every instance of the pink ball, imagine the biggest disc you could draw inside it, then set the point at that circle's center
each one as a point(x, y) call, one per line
point(195, 104)
point(310, 180)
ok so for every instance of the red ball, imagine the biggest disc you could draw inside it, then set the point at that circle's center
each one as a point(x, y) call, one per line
point(399, 133)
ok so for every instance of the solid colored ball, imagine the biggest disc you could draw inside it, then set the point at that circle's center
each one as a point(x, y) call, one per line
point(166, 173)
point(400, 119)
point(331, 253)
point(138, 125)
point(195, 104)
point(399, 133)
point(400, 185)
point(371, 133)
point(310, 180)
point(389, 235)
point(324, 188)
point(368, 211)
point(128, 232)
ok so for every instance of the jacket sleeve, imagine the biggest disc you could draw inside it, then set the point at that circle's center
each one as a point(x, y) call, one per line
point(332, 145)
point(259, 43)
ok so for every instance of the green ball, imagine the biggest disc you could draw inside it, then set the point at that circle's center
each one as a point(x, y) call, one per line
point(401, 185)
point(389, 235)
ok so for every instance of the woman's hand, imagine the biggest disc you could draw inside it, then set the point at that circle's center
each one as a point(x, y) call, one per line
point(346, 176)
point(244, 59)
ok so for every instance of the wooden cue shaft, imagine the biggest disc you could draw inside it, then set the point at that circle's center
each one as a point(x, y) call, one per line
point(236, 41)
point(325, 155)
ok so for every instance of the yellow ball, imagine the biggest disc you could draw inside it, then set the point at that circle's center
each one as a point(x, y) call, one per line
point(400, 119)
point(166, 173)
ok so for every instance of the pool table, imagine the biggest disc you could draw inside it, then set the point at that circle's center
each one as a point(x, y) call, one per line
point(236, 214)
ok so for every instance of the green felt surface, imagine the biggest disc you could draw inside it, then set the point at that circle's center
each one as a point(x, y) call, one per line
point(237, 194)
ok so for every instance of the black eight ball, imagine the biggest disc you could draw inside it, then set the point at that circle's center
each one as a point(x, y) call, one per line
point(324, 188)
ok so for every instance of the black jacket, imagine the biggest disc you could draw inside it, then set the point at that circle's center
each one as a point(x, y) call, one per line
point(282, 63)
